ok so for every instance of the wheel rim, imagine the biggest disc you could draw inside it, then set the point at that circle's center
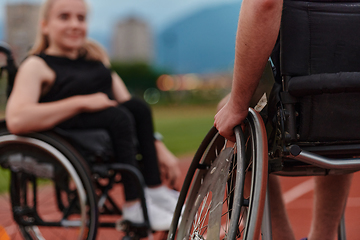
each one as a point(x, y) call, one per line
point(203, 218)
point(244, 203)
point(69, 219)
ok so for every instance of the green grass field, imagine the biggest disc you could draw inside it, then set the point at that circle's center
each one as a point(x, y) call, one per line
point(183, 127)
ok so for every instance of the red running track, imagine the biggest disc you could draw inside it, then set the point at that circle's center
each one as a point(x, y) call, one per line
point(298, 195)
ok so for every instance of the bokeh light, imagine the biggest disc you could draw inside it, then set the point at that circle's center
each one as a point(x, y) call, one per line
point(191, 81)
point(152, 95)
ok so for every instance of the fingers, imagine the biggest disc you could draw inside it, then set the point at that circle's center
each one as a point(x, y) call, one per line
point(170, 173)
point(224, 128)
point(225, 121)
point(99, 101)
point(229, 135)
point(173, 175)
point(113, 103)
point(104, 97)
point(171, 178)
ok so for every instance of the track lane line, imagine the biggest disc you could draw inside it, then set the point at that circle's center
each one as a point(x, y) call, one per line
point(298, 191)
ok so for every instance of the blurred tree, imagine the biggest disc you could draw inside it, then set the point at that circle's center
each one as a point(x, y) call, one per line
point(137, 76)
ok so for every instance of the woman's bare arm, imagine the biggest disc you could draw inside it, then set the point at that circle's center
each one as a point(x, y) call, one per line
point(25, 114)
point(120, 91)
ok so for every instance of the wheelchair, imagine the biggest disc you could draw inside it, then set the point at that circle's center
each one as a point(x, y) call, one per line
point(61, 182)
point(311, 129)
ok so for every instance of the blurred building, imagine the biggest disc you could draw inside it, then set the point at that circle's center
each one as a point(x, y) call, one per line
point(21, 27)
point(132, 41)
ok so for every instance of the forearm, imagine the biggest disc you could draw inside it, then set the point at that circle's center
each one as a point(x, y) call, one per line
point(258, 29)
point(222, 102)
point(41, 116)
point(120, 91)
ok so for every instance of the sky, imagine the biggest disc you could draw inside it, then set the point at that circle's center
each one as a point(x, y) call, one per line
point(158, 13)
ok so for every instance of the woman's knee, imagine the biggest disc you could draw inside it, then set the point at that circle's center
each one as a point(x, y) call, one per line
point(120, 118)
point(138, 108)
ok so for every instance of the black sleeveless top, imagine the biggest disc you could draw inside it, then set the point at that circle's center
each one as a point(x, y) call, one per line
point(76, 77)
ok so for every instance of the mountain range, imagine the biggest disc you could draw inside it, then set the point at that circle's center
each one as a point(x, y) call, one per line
point(203, 42)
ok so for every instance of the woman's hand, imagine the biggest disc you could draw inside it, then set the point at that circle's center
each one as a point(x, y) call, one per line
point(96, 102)
point(168, 163)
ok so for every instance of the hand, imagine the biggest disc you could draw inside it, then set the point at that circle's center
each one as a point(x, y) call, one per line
point(168, 164)
point(228, 118)
point(96, 102)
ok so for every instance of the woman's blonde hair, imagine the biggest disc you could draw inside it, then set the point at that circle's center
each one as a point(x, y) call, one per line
point(91, 50)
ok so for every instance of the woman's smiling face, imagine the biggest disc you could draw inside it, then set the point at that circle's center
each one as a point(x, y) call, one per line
point(66, 26)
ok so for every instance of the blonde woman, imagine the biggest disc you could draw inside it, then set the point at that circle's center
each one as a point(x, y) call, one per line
point(65, 82)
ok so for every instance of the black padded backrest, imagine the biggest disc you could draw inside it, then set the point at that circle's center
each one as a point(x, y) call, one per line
point(320, 37)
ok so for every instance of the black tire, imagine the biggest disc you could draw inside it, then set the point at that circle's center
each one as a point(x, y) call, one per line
point(51, 192)
point(219, 180)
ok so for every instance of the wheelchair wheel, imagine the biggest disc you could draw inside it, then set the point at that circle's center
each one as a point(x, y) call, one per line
point(51, 192)
point(227, 193)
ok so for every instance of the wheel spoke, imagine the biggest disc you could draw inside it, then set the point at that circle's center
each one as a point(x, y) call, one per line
point(217, 206)
point(201, 218)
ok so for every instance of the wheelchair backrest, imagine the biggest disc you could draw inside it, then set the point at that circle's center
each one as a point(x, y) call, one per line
point(319, 63)
point(320, 37)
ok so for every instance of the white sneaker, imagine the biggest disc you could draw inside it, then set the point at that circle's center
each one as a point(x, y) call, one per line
point(160, 219)
point(163, 197)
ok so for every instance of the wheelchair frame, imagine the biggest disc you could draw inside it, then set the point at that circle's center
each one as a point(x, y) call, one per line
point(89, 194)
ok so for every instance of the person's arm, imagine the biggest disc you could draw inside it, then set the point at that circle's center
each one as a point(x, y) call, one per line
point(25, 114)
point(168, 163)
point(120, 91)
point(258, 28)
point(222, 102)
